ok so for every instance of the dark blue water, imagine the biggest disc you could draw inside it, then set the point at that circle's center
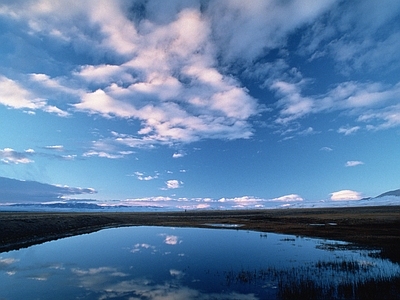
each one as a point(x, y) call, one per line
point(188, 263)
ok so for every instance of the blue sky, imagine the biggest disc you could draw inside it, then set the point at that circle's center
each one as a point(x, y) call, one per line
point(187, 103)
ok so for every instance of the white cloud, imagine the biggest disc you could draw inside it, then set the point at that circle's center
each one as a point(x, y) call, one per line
point(102, 154)
point(103, 73)
point(171, 239)
point(52, 83)
point(107, 148)
point(353, 98)
point(13, 95)
point(288, 198)
point(244, 202)
point(10, 156)
point(348, 130)
point(308, 131)
point(178, 154)
point(55, 147)
point(176, 86)
point(327, 149)
point(210, 105)
point(69, 156)
point(385, 118)
point(353, 163)
point(173, 184)
point(7, 261)
point(141, 176)
point(176, 273)
point(345, 195)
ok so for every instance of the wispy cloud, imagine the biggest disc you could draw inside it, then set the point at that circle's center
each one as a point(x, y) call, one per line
point(55, 147)
point(102, 154)
point(326, 149)
point(385, 118)
point(353, 163)
point(107, 148)
point(141, 176)
point(348, 130)
point(353, 98)
point(308, 131)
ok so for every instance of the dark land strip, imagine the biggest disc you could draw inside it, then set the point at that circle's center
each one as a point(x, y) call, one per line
point(375, 227)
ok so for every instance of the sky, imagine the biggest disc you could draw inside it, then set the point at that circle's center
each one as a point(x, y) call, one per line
point(190, 102)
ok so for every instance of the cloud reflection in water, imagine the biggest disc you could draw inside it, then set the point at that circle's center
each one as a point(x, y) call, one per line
point(154, 263)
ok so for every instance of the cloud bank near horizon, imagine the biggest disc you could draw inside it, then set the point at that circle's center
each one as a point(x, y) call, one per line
point(18, 191)
point(14, 191)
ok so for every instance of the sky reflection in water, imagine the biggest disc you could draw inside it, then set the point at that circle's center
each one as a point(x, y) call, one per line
point(185, 263)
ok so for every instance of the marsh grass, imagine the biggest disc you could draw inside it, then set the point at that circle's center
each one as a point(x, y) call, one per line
point(344, 280)
point(369, 289)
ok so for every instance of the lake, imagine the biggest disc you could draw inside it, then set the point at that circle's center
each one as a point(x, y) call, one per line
point(193, 263)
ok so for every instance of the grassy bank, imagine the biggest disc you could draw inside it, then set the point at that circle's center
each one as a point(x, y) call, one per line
point(377, 227)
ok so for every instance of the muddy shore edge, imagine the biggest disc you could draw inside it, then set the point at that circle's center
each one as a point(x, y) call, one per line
point(377, 227)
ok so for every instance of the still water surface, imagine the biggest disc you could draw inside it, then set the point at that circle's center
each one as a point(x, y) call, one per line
point(190, 263)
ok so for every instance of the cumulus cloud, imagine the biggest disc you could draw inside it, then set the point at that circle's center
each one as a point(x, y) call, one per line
point(345, 195)
point(172, 184)
point(178, 95)
point(168, 80)
point(353, 163)
point(177, 71)
point(288, 198)
point(178, 154)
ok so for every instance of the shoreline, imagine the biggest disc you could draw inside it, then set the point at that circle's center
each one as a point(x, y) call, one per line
point(374, 226)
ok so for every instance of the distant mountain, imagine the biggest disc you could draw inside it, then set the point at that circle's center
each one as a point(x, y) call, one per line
point(81, 206)
point(390, 193)
point(61, 205)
